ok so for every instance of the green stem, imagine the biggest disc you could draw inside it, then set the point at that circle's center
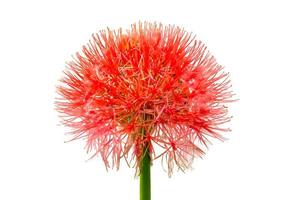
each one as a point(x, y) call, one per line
point(145, 175)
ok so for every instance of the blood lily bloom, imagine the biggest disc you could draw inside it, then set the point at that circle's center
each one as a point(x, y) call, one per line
point(150, 92)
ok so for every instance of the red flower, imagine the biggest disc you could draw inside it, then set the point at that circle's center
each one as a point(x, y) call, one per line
point(154, 78)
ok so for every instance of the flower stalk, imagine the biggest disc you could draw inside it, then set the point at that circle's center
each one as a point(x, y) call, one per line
point(145, 164)
point(145, 175)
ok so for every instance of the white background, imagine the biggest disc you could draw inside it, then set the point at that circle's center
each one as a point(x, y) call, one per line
point(257, 41)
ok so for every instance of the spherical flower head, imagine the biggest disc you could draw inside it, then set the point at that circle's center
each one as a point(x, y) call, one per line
point(153, 86)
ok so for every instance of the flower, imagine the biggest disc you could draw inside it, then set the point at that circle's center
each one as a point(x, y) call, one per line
point(152, 85)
